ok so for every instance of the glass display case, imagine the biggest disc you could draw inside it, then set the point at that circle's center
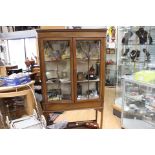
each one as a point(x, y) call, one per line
point(72, 68)
point(135, 52)
point(111, 61)
point(138, 104)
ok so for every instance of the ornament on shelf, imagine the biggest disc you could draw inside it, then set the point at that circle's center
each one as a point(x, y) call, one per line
point(91, 74)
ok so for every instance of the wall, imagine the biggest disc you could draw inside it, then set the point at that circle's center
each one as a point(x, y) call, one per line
point(52, 27)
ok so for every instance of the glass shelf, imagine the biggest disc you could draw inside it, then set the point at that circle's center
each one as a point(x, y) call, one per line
point(66, 59)
point(83, 81)
point(85, 59)
point(63, 81)
point(137, 44)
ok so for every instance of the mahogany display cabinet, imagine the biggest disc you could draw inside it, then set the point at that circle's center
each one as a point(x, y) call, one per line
point(72, 63)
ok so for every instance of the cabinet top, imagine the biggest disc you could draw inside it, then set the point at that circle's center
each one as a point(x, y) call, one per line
point(71, 33)
point(71, 30)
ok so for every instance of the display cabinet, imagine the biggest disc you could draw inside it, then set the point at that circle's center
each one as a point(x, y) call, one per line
point(111, 73)
point(111, 55)
point(72, 68)
point(138, 104)
point(135, 51)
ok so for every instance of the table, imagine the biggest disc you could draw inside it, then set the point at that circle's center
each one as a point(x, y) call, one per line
point(21, 90)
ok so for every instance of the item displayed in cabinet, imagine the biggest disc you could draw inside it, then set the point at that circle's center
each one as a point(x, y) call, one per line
point(79, 90)
point(134, 55)
point(110, 62)
point(108, 82)
point(150, 100)
point(92, 93)
point(126, 52)
point(97, 69)
point(53, 80)
point(111, 34)
point(110, 51)
point(91, 74)
point(112, 82)
point(146, 76)
point(80, 76)
point(150, 39)
point(148, 57)
point(66, 96)
point(54, 93)
point(149, 116)
point(126, 37)
point(51, 75)
point(92, 70)
point(142, 34)
point(63, 75)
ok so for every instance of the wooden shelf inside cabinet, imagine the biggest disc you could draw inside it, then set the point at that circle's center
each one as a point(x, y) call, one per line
point(86, 50)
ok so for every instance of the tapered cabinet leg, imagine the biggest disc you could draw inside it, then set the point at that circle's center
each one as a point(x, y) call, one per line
point(99, 119)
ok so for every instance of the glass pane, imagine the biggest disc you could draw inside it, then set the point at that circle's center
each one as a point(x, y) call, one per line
point(138, 105)
point(57, 65)
point(94, 79)
point(31, 48)
point(17, 53)
point(88, 69)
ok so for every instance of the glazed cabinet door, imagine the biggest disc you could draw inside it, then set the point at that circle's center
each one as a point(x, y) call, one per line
point(57, 63)
point(88, 58)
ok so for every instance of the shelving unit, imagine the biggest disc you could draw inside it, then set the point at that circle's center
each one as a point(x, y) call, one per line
point(129, 41)
point(110, 64)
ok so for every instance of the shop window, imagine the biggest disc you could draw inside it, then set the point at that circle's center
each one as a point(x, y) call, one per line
point(20, 49)
point(31, 48)
point(17, 53)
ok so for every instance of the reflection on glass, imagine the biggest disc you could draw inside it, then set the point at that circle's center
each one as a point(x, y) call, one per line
point(88, 49)
point(138, 105)
point(57, 65)
point(88, 69)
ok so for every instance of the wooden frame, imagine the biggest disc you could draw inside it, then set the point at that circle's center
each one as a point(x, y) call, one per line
point(21, 90)
point(72, 35)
